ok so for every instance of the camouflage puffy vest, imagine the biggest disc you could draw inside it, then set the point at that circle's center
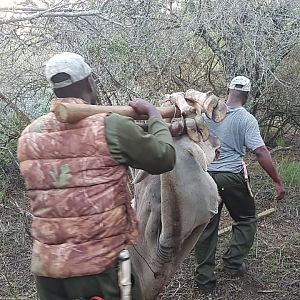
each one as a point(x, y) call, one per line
point(79, 198)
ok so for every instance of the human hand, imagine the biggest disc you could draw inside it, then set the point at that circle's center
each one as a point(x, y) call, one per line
point(280, 192)
point(143, 107)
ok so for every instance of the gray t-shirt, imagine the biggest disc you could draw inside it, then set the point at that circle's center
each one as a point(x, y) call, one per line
point(238, 131)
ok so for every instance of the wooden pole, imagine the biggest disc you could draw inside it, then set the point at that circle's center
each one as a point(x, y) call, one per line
point(259, 216)
point(72, 113)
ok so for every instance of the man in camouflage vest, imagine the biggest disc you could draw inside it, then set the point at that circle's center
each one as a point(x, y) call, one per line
point(76, 178)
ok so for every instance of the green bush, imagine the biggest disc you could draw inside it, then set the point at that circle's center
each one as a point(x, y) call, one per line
point(290, 173)
point(280, 142)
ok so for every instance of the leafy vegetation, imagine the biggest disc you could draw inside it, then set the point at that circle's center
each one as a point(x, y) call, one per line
point(290, 173)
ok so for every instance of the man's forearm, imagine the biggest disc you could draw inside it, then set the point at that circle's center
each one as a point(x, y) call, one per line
point(264, 158)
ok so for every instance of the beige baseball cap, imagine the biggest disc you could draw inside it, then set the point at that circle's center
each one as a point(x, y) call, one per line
point(240, 83)
point(70, 63)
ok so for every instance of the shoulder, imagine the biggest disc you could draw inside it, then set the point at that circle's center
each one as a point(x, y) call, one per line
point(247, 117)
point(251, 119)
point(37, 124)
point(120, 126)
point(116, 120)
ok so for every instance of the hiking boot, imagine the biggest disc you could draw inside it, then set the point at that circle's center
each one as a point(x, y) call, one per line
point(241, 271)
point(206, 289)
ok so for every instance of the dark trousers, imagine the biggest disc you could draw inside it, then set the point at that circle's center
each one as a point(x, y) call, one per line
point(104, 285)
point(240, 204)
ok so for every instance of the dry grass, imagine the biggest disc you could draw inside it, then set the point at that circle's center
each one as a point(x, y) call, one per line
point(274, 261)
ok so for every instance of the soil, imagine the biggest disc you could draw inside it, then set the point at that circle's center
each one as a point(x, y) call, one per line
point(273, 263)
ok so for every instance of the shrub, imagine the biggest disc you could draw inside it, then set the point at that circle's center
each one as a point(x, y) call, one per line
point(290, 173)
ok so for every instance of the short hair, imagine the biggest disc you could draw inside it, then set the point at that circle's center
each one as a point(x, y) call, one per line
point(74, 90)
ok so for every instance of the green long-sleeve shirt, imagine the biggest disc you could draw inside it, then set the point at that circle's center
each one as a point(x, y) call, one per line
point(128, 144)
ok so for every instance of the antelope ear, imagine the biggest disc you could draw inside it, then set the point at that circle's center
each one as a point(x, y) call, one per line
point(199, 155)
point(140, 176)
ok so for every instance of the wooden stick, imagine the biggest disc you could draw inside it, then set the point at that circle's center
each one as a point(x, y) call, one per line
point(72, 113)
point(259, 216)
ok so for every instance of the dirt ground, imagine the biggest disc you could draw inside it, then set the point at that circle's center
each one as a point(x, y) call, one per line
point(274, 260)
point(274, 263)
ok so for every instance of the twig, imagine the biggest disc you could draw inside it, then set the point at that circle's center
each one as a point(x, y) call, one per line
point(259, 216)
point(294, 282)
point(5, 275)
point(14, 107)
point(53, 14)
point(280, 149)
point(268, 291)
point(22, 211)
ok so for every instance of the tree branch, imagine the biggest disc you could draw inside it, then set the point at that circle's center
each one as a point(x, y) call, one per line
point(212, 44)
point(14, 107)
point(73, 14)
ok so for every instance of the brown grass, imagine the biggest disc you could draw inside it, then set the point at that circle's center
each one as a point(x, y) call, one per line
point(274, 261)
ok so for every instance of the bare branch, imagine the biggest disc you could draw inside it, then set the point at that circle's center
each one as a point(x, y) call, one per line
point(71, 14)
point(15, 108)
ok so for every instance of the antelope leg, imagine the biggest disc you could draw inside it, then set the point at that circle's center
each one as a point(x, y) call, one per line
point(186, 110)
point(202, 127)
point(219, 112)
point(192, 131)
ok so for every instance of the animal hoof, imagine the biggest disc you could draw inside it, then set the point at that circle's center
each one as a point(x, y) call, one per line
point(192, 130)
point(210, 104)
point(219, 112)
point(202, 127)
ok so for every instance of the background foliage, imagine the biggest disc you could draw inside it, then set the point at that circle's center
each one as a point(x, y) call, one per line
point(146, 48)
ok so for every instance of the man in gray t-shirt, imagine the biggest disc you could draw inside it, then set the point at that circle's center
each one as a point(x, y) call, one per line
point(239, 131)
